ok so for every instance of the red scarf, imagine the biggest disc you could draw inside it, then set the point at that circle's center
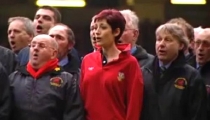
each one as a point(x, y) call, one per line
point(50, 65)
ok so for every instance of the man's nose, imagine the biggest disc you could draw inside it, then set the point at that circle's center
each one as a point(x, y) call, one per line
point(11, 35)
point(39, 20)
point(162, 43)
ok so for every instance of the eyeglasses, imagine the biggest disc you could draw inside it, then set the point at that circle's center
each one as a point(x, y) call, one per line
point(203, 43)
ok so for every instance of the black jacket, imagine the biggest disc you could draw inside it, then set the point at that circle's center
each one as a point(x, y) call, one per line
point(73, 66)
point(8, 59)
point(205, 73)
point(4, 94)
point(179, 94)
point(191, 59)
point(142, 56)
point(53, 96)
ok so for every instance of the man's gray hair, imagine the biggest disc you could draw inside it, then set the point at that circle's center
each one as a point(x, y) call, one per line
point(175, 31)
point(131, 18)
point(28, 24)
point(69, 31)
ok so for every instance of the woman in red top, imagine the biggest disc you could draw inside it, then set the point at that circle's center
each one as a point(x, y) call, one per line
point(111, 80)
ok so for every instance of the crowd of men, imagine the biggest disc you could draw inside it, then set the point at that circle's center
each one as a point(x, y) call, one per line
point(40, 75)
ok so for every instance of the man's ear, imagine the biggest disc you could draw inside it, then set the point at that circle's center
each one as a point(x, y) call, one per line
point(54, 54)
point(181, 47)
point(30, 38)
point(70, 46)
point(135, 35)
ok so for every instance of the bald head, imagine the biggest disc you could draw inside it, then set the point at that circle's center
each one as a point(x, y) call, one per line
point(205, 32)
point(51, 41)
point(197, 30)
point(43, 49)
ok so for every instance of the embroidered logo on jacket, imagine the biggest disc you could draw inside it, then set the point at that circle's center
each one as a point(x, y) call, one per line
point(56, 81)
point(57, 69)
point(180, 83)
point(121, 76)
point(90, 68)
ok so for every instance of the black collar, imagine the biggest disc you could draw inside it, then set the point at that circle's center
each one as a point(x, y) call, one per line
point(56, 71)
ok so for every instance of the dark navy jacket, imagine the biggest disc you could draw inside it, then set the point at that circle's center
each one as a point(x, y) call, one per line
point(179, 94)
point(53, 96)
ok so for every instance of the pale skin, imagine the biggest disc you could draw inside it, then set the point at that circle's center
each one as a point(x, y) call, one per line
point(202, 47)
point(105, 38)
point(59, 33)
point(129, 35)
point(167, 47)
point(43, 48)
point(17, 35)
point(45, 19)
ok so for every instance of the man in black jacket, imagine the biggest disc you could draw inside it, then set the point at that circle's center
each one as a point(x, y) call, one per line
point(41, 90)
point(202, 50)
point(4, 94)
point(173, 89)
point(66, 41)
point(45, 18)
point(131, 34)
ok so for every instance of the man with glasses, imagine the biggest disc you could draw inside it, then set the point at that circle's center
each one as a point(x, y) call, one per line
point(131, 34)
point(41, 90)
point(202, 52)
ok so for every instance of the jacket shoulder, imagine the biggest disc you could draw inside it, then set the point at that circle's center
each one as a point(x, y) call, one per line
point(147, 63)
point(192, 72)
point(190, 69)
point(66, 75)
point(90, 55)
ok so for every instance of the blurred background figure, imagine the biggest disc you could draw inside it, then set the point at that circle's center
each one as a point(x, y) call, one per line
point(20, 33)
point(130, 36)
point(189, 33)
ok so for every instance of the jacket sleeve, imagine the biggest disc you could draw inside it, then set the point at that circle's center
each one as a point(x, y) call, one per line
point(4, 94)
point(8, 59)
point(23, 56)
point(197, 104)
point(134, 92)
point(74, 109)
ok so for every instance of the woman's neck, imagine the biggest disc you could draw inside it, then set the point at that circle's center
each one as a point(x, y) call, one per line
point(111, 53)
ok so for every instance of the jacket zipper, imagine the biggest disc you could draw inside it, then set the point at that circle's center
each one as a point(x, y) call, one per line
point(33, 92)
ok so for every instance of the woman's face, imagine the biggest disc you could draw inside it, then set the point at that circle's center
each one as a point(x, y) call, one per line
point(105, 36)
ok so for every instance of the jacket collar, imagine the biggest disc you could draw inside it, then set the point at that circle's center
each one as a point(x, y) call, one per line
point(73, 65)
point(178, 62)
point(140, 53)
point(121, 47)
point(56, 71)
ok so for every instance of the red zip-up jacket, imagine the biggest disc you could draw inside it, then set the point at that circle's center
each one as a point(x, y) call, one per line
point(113, 91)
